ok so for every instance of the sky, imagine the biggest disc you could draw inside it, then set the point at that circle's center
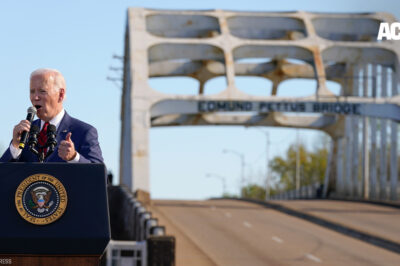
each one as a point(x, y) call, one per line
point(79, 38)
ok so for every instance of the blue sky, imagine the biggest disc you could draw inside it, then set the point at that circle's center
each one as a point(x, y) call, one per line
point(79, 38)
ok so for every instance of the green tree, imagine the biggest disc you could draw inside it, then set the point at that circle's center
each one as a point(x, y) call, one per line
point(312, 166)
point(253, 191)
point(229, 195)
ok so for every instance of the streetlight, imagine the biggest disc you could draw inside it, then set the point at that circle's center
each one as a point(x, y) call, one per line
point(267, 185)
point(241, 156)
point(223, 179)
point(297, 180)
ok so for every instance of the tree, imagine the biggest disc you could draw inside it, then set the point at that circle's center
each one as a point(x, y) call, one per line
point(253, 191)
point(312, 167)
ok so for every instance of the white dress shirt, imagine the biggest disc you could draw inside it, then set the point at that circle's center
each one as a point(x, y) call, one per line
point(16, 152)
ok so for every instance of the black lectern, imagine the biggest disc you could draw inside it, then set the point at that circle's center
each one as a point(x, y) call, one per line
point(53, 214)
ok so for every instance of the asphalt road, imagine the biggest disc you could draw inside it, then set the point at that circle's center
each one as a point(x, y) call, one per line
point(377, 220)
point(226, 232)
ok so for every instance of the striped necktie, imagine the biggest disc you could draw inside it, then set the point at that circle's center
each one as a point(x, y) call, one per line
point(42, 138)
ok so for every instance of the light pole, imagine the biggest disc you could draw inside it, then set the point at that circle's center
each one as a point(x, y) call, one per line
point(267, 172)
point(241, 156)
point(223, 180)
point(297, 179)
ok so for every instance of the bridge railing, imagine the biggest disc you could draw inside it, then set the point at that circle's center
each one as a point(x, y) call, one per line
point(135, 233)
point(315, 191)
point(306, 192)
point(126, 253)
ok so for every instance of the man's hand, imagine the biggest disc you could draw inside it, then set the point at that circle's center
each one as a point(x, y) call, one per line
point(24, 125)
point(66, 149)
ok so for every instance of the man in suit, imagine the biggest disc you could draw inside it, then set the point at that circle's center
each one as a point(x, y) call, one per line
point(77, 141)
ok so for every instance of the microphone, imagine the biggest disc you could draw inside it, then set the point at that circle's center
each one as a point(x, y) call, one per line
point(31, 114)
point(51, 139)
point(32, 142)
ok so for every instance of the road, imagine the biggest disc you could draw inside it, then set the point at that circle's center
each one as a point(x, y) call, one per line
point(377, 220)
point(235, 233)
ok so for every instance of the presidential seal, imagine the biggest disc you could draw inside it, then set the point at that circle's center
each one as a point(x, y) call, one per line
point(41, 199)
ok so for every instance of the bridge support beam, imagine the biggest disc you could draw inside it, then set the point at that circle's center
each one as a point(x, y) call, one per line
point(348, 158)
point(339, 166)
point(365, 138)
point(394, 174)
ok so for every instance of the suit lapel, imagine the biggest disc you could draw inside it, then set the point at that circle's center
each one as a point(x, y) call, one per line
point(63, 128)
point(37, 123)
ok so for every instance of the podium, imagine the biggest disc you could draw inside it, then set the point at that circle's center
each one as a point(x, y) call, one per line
point(53, 213)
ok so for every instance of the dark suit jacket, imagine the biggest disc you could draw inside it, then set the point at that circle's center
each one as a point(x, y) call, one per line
point(83, 135)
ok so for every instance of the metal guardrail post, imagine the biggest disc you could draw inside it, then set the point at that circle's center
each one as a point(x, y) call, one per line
point(157, 230)
point(138, 211)
point(148, 225)
point(142, 223)
point(161, 250)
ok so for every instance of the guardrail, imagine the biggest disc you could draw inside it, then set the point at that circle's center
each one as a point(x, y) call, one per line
point(315, 191)
point(126, 253)
point(306, 192)
point(135, 233)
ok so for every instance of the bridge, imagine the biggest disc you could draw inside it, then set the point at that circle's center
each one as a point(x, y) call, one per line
point(253, 232)
point(232, 232)
point(357, 224)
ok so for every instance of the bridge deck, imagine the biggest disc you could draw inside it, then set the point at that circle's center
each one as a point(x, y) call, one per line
point(228, 232)
point(377, 220)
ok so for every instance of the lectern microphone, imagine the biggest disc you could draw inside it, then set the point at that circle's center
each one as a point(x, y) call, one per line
point(51, 139)
point(33, 141)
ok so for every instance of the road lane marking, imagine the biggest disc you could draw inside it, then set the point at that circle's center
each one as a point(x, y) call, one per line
point(247, 224)
point(277, 239)
point(313, 258)
point(228, 214)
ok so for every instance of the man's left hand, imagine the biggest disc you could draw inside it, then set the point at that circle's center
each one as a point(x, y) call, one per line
point(66, 149)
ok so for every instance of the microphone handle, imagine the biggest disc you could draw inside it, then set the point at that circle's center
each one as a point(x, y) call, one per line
point(24, 135)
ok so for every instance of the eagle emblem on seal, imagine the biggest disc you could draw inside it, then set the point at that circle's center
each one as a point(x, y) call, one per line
point(41, 197)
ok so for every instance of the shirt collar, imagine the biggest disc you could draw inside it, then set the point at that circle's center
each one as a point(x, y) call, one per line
point(55, 120)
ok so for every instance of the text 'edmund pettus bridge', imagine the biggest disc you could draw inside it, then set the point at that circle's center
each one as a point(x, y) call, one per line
point(263, 107)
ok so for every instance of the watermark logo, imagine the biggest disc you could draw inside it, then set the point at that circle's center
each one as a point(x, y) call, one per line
point(5, 261)
point(389, 31)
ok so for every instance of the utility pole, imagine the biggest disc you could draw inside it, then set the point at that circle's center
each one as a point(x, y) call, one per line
point(267, 181)
point(267, 171)
point(241, 156)
point(223, 180)
point(119, 70)
point(297, 181)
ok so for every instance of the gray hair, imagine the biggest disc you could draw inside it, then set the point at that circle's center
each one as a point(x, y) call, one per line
point(57, 77)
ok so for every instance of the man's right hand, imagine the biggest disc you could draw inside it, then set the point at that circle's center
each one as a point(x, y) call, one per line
point(24, 125)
